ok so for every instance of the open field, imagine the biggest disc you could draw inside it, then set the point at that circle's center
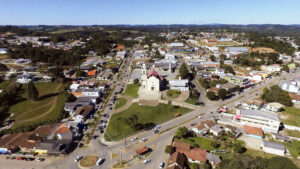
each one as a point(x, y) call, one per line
point(173, 93)
point(291, 116)
point(132, 90)
point(120, 103)
point(48, 107)
point(147, 116)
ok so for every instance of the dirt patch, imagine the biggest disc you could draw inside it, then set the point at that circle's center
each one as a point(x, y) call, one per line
point(88, 161)
point(263, 50)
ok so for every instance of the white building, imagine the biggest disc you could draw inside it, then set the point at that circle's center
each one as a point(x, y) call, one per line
point(273, 148)
point(292, 86)
point(271, 68)
point(150, 85)
point(3, 51)
point(176, 45)
point(273, 107)
point(25, 78)
point(180, 84)
point(269, 122)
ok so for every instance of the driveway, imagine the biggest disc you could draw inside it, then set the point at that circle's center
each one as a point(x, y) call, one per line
point(252, 143)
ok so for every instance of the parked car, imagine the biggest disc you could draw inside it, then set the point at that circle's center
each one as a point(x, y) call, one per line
point(161, 165)
point(100, 161)
point(13, 158)
point(200, 117)
point(147, 161)
point(78, 158)
point(155, 131)
point(20, 158)
point(39, 159)
point(157, 127)
point(192, 124)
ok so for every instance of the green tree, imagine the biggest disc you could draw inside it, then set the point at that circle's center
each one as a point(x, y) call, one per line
point(169, 149)
point(212, 58)
point(136, 81)
point(211, 95)
point(194, 166)
point(286, 68)
point(214, 144)
point(238, 148)
point(182, 132)
point(33, 93)
point(281, 163)
point(3, 67)
point(222, 93)
point(184, 72)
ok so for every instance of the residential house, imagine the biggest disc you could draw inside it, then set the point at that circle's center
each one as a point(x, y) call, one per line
point(273, 148)
point(241, 81)
point(24, 78)
point(204, 126)
point(273, 107)
point(82, 113)
point(252, 131)
point(231, 129)
point(295, 97)
point(3, 51)
point(253, 104)
point(92, 73)
point(216, 129)
point(271, 68)
point(266, 120)
point(290, 86)
point(177, 161)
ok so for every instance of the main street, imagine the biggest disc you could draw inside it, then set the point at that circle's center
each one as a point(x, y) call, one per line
point(158, 141)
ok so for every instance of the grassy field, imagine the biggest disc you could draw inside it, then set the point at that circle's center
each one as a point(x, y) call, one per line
point(200, 141)
point(256, 153)
point(292, 133)
point(48, 107)
point(147, 115)
point(132, 90)
point(191, 101)
point(120, 103)
point(291, 116)
point(173, 93)
point(3, 84)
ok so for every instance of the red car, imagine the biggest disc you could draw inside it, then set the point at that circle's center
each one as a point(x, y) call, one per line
point(192, 124)
point(20, 158)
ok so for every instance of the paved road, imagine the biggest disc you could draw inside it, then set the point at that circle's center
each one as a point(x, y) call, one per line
point(158, 141)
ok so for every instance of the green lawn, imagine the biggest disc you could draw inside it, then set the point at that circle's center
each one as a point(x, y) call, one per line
point(3, 84)
point(292, 116)
point(293, 133)
point(200, 141)
point(173, 93)
point(120, 103)
point(191, 101)
point(132, 90)
point(26, 108)
point(147, 115)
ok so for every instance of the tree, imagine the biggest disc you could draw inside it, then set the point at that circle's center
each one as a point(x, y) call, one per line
point(194, 166)
point(276, 94)
point(238, 148)
point(136, 81)
point(211, 95)
point(184, 72)
point(182, 132)
point(3, 67)
point(286, 68)
point(281, 163)
point(81, 73)
point(222, 93)
point(169, 149)
point(214, 144)
point(33, 93)
point(212, 58)
point(56, 72)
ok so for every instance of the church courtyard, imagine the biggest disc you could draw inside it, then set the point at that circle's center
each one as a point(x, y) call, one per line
point(146, 116)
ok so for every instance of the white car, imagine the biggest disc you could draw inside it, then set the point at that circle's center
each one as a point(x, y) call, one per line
point(143, 140)
point(157, 127)
point(161, 165)
point(147, 161)
point(78, 158)
point(100, 161)
point(134, 139)
point(200, 117)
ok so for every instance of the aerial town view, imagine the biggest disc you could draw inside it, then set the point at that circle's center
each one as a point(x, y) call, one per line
point(136, 84)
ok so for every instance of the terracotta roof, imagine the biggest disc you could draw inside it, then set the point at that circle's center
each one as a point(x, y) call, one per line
point(45, 130)
point(294, 96)
point(62, 129)
point(230, 127)
point(154, 73)
point(197, 154)
point(77, 94)
point(142, 150)
point(209, 123)
point(200, 126)
point(83, 110)
point(92, 72)
point(177, 159)
point(21, 139)
point(181, 147)
point(253, 130)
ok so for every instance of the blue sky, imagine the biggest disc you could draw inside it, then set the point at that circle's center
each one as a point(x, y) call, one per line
point(103, 12)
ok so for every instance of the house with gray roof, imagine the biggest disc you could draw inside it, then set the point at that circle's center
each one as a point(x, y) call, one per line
point(273, 148)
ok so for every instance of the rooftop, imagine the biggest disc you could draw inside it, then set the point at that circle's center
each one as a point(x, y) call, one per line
point(273, 145)
point(253, 130)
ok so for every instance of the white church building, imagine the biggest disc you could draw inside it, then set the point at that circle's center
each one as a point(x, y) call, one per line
point(150, 85)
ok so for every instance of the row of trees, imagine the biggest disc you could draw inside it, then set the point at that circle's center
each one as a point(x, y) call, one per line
point(276, 94)
point(205, 83)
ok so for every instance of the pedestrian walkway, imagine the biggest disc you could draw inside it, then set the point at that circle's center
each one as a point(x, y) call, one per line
point(126, 106)
point(181, 98)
